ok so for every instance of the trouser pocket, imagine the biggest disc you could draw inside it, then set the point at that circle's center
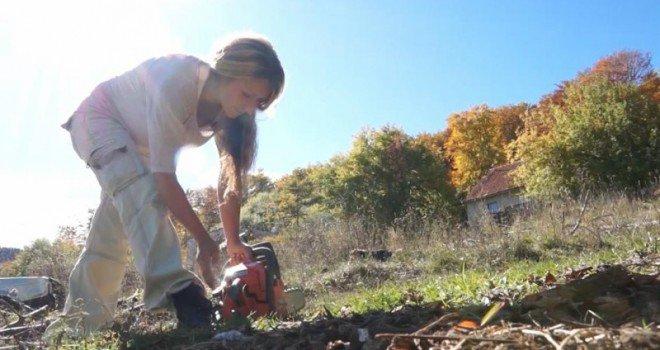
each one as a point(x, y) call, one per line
point(117, 169)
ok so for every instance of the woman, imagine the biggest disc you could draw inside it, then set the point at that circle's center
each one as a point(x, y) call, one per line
point(129, 131)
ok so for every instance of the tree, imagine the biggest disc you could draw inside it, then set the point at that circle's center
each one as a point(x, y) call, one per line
point(478, 139)
point(256, 183)
point(631, 67)
point(651, 87)
point(294, 193)
point(44, 258)
point(205, 204)
point(260, 212)
point(605, 135)
point(205, 201)
point(385, 175)
point(71, 234)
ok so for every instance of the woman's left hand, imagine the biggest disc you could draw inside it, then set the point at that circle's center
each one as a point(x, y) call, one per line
point(208, 256)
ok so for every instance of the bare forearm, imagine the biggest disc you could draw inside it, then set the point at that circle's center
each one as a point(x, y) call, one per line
point(176, 201)
point(230, 208)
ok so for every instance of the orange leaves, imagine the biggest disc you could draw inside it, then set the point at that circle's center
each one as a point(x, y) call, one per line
point(550, 279)
point(466, 326)
point(622, 66)
point(469, 325)
point(477, 139)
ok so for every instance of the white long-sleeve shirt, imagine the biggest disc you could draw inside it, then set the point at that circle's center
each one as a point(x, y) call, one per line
point(156, 102)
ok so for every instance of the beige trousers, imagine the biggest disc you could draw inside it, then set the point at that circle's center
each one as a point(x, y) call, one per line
point(130, 214)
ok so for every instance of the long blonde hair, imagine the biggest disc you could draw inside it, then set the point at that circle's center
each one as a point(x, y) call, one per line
point(237, 138)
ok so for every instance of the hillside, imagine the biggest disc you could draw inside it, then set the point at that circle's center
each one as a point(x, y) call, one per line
point(7, 254)
point(566, 273)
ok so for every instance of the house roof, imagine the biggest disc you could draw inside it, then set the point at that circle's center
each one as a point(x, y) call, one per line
point(497, 180)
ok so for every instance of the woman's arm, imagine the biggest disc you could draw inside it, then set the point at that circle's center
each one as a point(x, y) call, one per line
point(175, 199)
point(230, 209)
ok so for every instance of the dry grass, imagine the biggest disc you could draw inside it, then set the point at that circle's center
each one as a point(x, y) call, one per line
point(319, 248)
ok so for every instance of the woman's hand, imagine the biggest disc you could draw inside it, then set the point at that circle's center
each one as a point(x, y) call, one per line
point(174, 197)
point(239, 252)
point(208, 255)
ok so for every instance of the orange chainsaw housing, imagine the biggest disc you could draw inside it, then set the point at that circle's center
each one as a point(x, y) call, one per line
point(253, 288)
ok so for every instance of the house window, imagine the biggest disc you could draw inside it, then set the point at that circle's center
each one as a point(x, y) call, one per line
point(493, 207)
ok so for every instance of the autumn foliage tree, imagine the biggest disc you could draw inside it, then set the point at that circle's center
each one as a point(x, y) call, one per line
point(631, 67)
point(597, 130)
point(260, 212)
point(256, 183)
point(477, 140)
point(605, 136)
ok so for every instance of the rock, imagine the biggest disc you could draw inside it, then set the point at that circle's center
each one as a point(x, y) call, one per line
point(381, 254)
point(363, 334)
point(232, 335)
point(378, 254)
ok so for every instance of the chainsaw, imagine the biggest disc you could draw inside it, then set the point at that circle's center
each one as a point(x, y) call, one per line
point(255, 288)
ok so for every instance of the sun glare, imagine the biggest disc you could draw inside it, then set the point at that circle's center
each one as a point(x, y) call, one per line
point(54, 53)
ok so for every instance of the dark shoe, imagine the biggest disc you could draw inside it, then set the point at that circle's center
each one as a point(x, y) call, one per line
point(193, 309)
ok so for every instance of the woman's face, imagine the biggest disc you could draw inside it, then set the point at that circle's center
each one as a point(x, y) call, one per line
point(243, 95)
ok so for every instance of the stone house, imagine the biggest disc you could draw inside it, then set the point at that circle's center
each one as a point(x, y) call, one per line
point(496, 195)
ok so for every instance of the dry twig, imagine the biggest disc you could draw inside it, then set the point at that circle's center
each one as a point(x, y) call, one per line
point(585, 201)
point(19, 329)
point(545, 335)
point(572, 334)
point(459, 344)
point(442, 320)
point(441, 337)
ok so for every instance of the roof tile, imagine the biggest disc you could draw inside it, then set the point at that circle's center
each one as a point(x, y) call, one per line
point(498, 179)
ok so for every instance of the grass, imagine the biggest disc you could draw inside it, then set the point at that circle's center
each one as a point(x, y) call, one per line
point(459, 289)
point(459, 268)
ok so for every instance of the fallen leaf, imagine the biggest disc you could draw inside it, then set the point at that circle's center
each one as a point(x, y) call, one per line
point(579, 273)
point(466, 325)
point(337, 345)
point(399, 343)
point(345, 311)
point(550, 279)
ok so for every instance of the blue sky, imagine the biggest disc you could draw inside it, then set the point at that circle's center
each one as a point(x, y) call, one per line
point(349, 65)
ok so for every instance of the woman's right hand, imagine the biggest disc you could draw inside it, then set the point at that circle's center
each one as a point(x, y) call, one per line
point(208, 255)
point(239, 252)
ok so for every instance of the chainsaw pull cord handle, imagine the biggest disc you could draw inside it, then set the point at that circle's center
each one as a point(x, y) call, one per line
point(240, 258)
point(236, 258)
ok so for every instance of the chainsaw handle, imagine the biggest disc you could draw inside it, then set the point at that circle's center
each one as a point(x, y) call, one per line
point(264, 252)
point(260, 252)
point(238, 255)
